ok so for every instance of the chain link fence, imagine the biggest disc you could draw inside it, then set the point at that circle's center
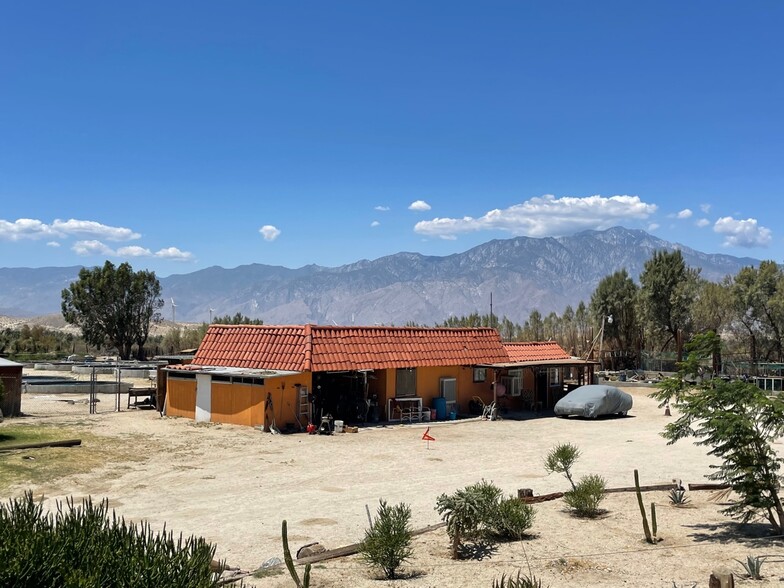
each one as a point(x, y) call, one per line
point(70, 389)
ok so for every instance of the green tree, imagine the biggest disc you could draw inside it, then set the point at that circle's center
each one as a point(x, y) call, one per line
point(758, 299)
point(237, 319)
point(616, 296)
point(712, 311)
point(667, 288)
point(114, 306)
point(739, 423)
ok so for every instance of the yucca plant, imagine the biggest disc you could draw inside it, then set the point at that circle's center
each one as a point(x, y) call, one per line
point(753, 566)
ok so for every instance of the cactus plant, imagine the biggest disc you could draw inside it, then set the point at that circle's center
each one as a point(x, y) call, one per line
point(650, 537)
point(305, 582)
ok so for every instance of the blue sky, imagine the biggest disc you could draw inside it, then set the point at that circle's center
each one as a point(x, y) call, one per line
point(180, 135)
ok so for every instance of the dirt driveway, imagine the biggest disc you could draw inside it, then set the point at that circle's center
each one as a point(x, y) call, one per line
point(234, 485)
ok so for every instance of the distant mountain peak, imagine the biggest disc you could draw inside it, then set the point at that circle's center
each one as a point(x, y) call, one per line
point(521, 273)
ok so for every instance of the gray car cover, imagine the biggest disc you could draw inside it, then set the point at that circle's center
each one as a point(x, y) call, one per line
point(594, 400)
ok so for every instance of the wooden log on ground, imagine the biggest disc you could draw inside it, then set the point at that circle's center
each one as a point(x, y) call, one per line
point(354, 547)
point(66, 443)
point(708, 486)
point(557, 495)
point(525, 493)
point(649, 488)
point(542, 498)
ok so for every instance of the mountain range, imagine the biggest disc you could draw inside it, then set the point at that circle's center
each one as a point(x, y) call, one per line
point(518, 274)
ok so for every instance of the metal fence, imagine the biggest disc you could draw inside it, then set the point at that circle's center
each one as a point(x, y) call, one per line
point(95, 389)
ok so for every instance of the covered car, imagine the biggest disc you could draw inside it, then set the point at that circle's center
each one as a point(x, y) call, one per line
point(594, 400)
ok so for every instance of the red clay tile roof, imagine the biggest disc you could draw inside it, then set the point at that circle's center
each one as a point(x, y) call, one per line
point(535, 351)
point(326, 348)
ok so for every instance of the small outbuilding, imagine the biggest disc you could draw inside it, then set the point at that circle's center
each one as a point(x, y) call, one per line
point(11, 398)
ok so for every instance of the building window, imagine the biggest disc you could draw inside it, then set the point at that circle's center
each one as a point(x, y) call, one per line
point(480, 374)
point(405, 382)
point(555, 376)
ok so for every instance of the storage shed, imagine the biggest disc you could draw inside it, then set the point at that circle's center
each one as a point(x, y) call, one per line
point(11, 398)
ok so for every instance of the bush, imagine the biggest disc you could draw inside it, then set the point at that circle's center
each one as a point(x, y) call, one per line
point(586, 496)
point(561, 459)
point(387, 543)
point(478, 511)
point(513, 518)
point(81, 547)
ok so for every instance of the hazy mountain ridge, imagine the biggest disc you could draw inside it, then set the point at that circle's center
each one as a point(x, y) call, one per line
point(522, 273)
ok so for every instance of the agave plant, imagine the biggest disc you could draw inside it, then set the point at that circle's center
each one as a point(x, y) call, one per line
point(678, 497)
point(518, 582)
point(753, 566)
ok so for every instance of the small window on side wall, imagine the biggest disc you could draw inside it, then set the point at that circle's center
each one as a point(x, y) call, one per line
point(480, 374)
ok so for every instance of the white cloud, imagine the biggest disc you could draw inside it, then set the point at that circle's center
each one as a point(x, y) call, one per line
point(28, 228)
point(381, 208)
point(91, 248)
point(52, 244)
point(174, 254)
point(705, 208)
point(652, 227)
point(545, 216)
point(95, 247)
point(703, 222)
point(133, 251)
point(685, 213)
point(742, 233)
point(419, 205)
point(269, 232)
point(24, 228)
point(93, 229)
point(375, 223)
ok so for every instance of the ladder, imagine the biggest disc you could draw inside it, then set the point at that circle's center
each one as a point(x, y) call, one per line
point(303, 407)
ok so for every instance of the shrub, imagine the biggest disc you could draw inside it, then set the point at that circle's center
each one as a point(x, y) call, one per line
point(586, 496)
point(387, 543)
point(469, 513)
point(513, 518)
point(80, 546)
point(561, 459)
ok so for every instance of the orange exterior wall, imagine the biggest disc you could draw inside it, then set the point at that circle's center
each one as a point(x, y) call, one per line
point(181, 398)
point(240, 404)
point(428, 385)
point(243, 404)
point(237, 404)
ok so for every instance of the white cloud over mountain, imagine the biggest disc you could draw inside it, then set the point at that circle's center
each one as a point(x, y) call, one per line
point(545, 216)
point(742, 233)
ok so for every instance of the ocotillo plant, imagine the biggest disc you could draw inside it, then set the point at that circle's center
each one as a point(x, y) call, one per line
point(649, 537)
point(305, 582)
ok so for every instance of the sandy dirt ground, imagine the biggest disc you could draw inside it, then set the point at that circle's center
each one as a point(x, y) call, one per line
point(234, 485)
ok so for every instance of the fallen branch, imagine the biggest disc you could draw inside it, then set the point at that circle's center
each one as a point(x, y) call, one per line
point(354, 547)
point(66, 443)
point(557, 495)
point(708, 486)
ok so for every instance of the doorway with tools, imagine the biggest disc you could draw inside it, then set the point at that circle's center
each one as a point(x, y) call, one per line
point(342, 395)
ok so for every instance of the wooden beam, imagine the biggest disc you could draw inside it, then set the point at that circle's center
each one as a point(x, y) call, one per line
point(708, 486)
point(354, 547)
point(66, 443)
